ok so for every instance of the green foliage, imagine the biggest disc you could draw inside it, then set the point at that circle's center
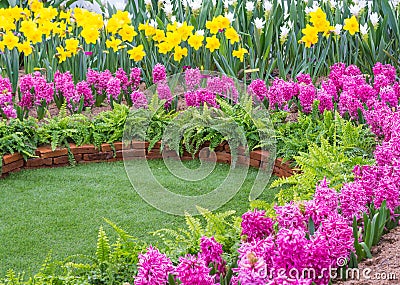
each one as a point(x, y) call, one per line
point(327, 160)
point(148, 124)
point(193, 127)
point(103, 247)
point(19, 136)
point(239, 125)
point(296, 137)
point(62, 130)
point(224, 227)
point(371, 228)
point(109, 126)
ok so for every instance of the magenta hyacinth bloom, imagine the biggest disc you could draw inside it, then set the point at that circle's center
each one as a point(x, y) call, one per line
point(35, 90)
point(113, 88)
point(199, 97)
point(325, 101)
point(353, 201)
point(192, 78)
point(139, 100)
point(304, 78)
point(255, 225)
point(6, 99)
point(134, 78)
point(159, 73)
point(289, 216)
point(258, 89)
point(306, 96)
point(83, 89)
point(223, 86)
point(123, 78)
point(164, 93)
point(193, 270)
point(153, 268)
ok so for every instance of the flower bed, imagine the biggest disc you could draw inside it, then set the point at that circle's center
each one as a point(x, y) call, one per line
point(357, 195)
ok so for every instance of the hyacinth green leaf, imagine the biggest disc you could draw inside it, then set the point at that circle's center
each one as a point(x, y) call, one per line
point(353, 263)
point(171, 279)
point(366, 249)
point(311, 226)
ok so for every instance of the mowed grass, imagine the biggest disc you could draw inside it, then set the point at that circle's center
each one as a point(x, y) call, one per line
point(60, 210)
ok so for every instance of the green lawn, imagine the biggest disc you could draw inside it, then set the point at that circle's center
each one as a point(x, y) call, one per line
point(60, 210)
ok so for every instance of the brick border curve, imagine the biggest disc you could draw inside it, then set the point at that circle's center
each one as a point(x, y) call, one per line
point(46, 157)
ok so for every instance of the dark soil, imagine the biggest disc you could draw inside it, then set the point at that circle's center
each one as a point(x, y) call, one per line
point(384, 267)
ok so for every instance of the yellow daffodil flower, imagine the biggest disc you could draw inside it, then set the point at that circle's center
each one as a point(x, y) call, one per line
point(196, 41)
point(351, 25)
point(90, 35)
point(212, 43)
point(62, 54)
point(127, 33)
point(185, 31)
point(232, 35)
point(137, 53)
point(179, 53)
point(10, 41)
point(25, 48)
point(159, 36)
point(71, 45)
point(310, 36)
point(240, 53)
point(113, 43)
point(164, 47)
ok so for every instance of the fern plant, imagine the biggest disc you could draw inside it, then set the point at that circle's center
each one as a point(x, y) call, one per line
point(327, 160)
point(224, 227)
point(148, 124)
point(113, 263)
point(19, 136)
point(296, 137)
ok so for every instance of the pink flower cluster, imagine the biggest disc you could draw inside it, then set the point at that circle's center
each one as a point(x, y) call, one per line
point(139, 100)
point(193, 78)
point(155, 267)
point(35, 90)
point(223, 86)
point(200, 96)
point(345, 87)
point(65, 87)
point(288, 250)
point(104, 83)
point(197, 96)
point(162, 87)
point(273, 250)
point(6, 99)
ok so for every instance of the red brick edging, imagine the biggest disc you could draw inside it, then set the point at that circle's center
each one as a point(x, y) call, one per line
point(46, 157)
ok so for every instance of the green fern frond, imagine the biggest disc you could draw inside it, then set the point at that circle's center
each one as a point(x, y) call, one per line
point(103, 247)
point(121, 233)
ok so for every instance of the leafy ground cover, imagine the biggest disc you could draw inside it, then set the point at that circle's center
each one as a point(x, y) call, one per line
point(59, 210)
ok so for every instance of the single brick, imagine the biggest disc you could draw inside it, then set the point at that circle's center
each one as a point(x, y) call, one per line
point(259, 155)
point(83, 149)
point(98, 156)
point(13, 166)
point(106, 147)
point(60, 160)
point(223, 157)
point(9, 158)
point(118, 146)
point(37, 162)
point(140, 145)
point(130, 153)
